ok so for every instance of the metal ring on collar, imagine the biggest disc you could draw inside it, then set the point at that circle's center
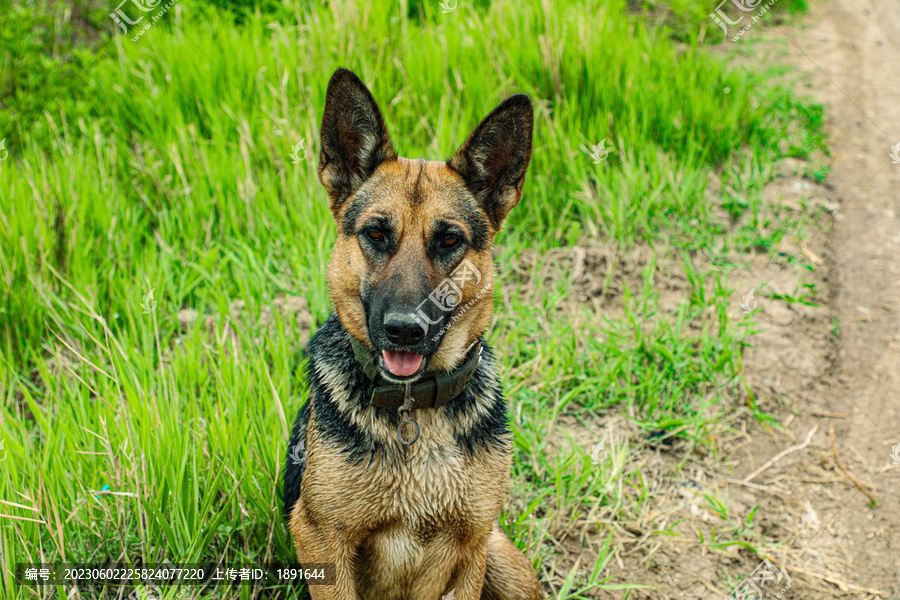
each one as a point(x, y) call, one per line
point(400, 437)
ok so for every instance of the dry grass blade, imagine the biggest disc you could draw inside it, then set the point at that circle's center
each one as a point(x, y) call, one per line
point(782, 454)
point(847, 473)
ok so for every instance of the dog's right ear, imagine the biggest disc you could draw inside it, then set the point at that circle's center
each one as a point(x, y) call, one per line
point(354, 138)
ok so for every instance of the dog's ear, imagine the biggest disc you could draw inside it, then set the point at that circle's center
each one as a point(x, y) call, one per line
point(492, 162)
point(354, 138)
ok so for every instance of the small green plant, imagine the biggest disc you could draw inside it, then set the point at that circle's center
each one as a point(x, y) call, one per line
point(820, 173)
point(801, 295)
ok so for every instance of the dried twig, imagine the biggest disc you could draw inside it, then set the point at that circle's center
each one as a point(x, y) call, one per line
point(847, 473)
point(783, 453)
point(833, 415)
point(811, 255)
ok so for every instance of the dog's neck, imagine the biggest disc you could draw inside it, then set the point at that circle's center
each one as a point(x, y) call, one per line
point(341, 393)
point(434, 390)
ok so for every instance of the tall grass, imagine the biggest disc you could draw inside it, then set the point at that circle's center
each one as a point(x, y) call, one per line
point(168, 168)
point(190, 131)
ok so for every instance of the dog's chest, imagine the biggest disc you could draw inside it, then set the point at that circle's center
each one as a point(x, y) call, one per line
point(421, 487)
point(417, 509)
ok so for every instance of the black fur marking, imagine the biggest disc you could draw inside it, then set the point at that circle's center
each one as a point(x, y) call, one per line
point(354, 210)
point(331, 346)
point(417, 197)
point(477, 225)
point(492, 430)
point(330, 349)
point(293, 472)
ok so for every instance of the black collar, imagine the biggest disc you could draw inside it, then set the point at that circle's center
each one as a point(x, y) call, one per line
point(435, 390)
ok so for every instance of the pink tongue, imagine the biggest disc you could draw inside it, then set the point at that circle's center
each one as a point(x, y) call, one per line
point(402, 364)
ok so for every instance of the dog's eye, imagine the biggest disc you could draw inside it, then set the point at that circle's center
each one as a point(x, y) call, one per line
point(449, 241)
point(375, 234)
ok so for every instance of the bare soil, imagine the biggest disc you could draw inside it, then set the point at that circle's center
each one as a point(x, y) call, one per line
point(831, 363)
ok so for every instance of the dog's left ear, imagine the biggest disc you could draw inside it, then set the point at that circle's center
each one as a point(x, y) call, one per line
point(354, 137)
point(492, 162)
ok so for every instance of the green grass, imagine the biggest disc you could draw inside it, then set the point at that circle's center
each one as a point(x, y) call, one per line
point(164, 164)
point(685, 20)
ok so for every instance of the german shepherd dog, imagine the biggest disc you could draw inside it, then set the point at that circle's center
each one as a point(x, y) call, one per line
point(399, 460)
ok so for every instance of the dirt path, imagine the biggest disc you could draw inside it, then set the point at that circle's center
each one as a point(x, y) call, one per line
point(850, 50)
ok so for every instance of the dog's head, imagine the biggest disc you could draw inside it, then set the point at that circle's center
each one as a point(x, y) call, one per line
point(411, 274)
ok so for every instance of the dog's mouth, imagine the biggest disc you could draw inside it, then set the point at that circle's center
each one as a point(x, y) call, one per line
point(402, 364)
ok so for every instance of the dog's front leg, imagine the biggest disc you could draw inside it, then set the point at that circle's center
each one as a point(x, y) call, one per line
point(470, 576)
point(315, 545)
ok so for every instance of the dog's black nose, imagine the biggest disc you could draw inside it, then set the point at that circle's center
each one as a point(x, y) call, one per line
point(403, 329)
